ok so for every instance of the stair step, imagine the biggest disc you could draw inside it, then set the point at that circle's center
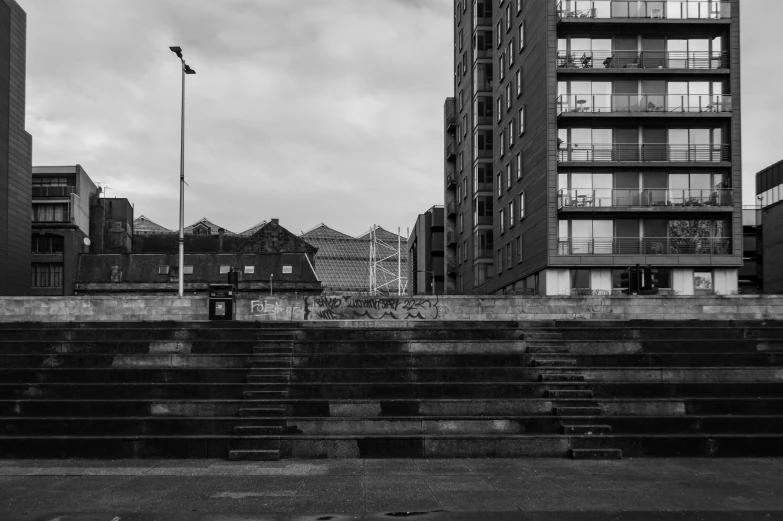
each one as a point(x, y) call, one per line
point(264, 412)
point(254, 430)
point(576, 411)
point(586, 429)
point(254, 455)
point(596, 454)
point(569, 393)
point(557, 377)
point(268, 378)
point(557, 362)
point(256, 395)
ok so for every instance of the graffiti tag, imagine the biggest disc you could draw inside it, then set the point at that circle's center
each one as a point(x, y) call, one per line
point(263, 307)
point(351, 307)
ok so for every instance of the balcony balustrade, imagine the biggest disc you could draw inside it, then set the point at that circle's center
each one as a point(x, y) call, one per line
point(451, 153)
point(482, 186)
point(53, 191)
point(482, 54)
point(634, 103)
point(644, 197)
point(484, 219)
point(649, 152)
point(451, 208)
point(451, 267)
point(484, 153)
point(483, 85)
point(450, 182)
point(643, 60)
point(451, 123)
point(645, 246)
point(662, 9)
point(484, 253)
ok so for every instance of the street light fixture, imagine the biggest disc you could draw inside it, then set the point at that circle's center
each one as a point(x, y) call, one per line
point(185, 70)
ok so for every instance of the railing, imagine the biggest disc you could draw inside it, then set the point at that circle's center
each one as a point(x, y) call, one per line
point(483, 85)
point(650, 152)
point(643, 103)
point(53, 191)
point(643, 197)
point(451, 208)
point(484, 219)
point(451, 123)
point(645, 246)
point(451, 152)
point(450, 183)
point(642, 60)
point(482, 186)
point(667, 9)
point(484, 153)
point(482, 53)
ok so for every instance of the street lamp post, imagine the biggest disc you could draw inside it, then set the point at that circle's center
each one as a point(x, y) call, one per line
point(185, 70)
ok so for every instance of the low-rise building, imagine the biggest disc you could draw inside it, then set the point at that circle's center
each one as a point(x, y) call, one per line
point(426, 269)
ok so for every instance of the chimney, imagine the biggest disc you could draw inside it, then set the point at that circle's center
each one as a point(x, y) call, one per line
point(221, 233)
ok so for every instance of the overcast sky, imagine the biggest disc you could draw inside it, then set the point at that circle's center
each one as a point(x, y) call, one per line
point(309, 111)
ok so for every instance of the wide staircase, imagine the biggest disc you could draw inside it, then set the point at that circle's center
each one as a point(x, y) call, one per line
point(263, 391)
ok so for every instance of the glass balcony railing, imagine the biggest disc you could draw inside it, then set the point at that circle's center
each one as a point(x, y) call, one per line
point(450, 181)
point(577, 59)
point(664, 9)
point(643, 103)
point(645, 246)
point(482, 53)
point(649, 152)
point(53, 191)
point(643, 198)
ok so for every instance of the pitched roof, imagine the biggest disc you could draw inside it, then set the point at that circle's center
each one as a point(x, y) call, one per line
point(144, 226)
point(384, 235)
point(213, 228)
point(322, 231)
point(253, 229)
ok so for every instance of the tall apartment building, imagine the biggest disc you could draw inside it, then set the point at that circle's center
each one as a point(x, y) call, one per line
point(595, 147)
point(15, 153)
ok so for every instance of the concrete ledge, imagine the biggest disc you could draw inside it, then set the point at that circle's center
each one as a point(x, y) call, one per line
point(391, 311)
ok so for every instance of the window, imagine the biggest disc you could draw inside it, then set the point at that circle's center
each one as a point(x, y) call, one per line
point(522, 205)
point(47, 275)
point(482, 178)
point(288, 270)
point(519, 165)
point(499, 34)
point(519, 6)
point(508, 255)
point(464, 125)
point(511, 214)
point(461, 162)
point(459, 191)
point(47, 244)
point(502, 220)
point(519, 82)
point(188, 270)
point(508, 96)
point(500, 108)
point(50, 213)
point(224, 269)
point(511, 133)
point(250, 269)
point(502, 66)
point(459, 253)
point(519, 249)
point(508, 176)
point(508, 17)
point(465, 250)
point(502, 143)
point(461, 223)
point(460, 36)
point(580, 279)
point(163, 270)
point(464, 187)
point(521, 36)
point(500, 260)
point(461, 99)
point(464, 63)
point(702, 283)
point(511, 52)
point(522, 120)
point(50, 181)
point(500, 184)
point(459, 133)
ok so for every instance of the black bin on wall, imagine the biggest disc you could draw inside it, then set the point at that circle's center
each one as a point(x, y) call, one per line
point(221, 301)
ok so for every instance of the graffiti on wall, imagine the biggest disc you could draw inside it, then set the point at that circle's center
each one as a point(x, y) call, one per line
point(267, 306)
point(350, 307)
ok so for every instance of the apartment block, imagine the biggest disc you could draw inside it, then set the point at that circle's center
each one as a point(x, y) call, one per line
point(15, 153)
point(596, 147)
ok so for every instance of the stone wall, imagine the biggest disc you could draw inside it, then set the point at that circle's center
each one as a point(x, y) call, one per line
point(391, 309)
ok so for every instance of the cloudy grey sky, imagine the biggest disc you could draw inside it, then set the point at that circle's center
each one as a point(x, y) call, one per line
point(309, 111)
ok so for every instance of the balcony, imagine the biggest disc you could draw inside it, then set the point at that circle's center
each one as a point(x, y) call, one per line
point(484, 220)
point(483, 85)
point(479, 54)
point(451, 123)
point(693, 60)
point(451, 239)
point(644, 198)
point(451, 208)
point(484, 187)
point(484, 153)
point(645, 246)
point(450, 182)
point(484, 253)
point(53, 191)
point(637, 9)
point(451, 267)
point(645, 153)
point(645, 103)
point(451, 153)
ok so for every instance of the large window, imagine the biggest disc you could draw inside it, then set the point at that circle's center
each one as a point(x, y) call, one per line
point(47, 275)
point(47, 244)
point(50, 213)
point(482, 210)
point(482, 177)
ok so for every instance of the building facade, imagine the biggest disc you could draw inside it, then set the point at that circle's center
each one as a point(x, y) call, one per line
point(426, 260)
point(596, 147)
point(61, 198)
point(15, 153)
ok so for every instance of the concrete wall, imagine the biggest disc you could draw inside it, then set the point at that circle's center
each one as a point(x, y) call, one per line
point(392, 310)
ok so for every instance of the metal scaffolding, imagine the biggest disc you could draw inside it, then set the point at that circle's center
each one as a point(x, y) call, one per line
point(386, 263)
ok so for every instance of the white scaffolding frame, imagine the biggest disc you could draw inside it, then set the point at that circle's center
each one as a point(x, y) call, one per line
point(382, 254)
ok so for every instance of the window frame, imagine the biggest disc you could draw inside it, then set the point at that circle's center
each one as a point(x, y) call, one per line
point(521, 205)
point(521, 120)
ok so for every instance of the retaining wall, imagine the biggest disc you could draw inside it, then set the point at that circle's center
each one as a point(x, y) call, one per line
point(340, 308)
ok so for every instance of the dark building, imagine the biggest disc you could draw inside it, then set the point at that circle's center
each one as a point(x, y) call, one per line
point(111, 225)
point(15, 154)
point(61, 198)
point(272, 258)
point(763, 227)
point(426, 261)
point(591, 137)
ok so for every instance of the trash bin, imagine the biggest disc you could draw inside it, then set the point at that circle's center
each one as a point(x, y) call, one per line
point(221, 301)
